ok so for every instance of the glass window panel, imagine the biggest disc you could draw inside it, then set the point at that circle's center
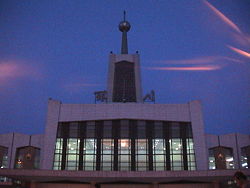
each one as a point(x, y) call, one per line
point(3, 157)
point(124, 129)
point(141, 152)
point(177, 168)
point(124, 158)
point(175, 130)
point(227, 153)
point(158, 129)
point(107, 146)
point(191, 158)
point(141, 146)
point(107, 154)
point(124, 152)
point(59, 143)
point(58, 157)
point(73, 130)
point(244, 156)
point(189, 131)
point(89, 146)
point(141, 129)
point(107, 129)
point(90, 129)
point(60, 130)
point(158, 146)
point(124, 146)
point(177, 157)
point(175, 146)
point(159, 158)
point(72, 154)
point(27, 157)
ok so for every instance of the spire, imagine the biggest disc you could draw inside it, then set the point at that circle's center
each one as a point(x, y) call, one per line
point(124, 27)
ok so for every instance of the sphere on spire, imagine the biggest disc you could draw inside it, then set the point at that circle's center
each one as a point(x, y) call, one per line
point(124, 26)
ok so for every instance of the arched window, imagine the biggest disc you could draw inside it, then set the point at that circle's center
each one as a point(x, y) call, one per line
point(27, 157)
point(3, 157)
point(221, 158)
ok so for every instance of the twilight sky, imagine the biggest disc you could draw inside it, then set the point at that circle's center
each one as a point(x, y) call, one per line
point(189, 50)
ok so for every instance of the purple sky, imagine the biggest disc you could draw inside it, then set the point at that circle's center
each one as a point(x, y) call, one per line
point(189, 50)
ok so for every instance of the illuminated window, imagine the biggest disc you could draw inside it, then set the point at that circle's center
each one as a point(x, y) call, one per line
point(245, 157)
point(211, 160)
point(159, 152)
point(3, 157)
point(72, 154)
point(89, 154)
point(107, 154)
point(176, 155)
point(27, 157)
point(221, 158)
point(141, 153)
point(124, 145)
point(58, 154)
point(190, 154)
point(124, 154)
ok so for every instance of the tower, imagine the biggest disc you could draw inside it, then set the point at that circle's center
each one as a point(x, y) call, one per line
point(124, 77)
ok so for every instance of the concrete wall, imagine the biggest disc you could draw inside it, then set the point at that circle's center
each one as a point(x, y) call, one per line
point(84, 112)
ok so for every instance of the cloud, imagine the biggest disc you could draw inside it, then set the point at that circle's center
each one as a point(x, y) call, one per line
point(201, 60)
point(188, 68)
point(207, 63)
point(239, 51)
point(13, 69)
point(223, 17)
point(242, 39)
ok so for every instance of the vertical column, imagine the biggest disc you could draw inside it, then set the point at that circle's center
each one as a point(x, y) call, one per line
point(53, 116)
point(198, 135)
point(132, 135)
point(167, 136)
point(65, 135)
point(98, 132)
point(183, 133)
point(149, 136)
point(115, 136)
point(82, 132)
